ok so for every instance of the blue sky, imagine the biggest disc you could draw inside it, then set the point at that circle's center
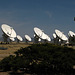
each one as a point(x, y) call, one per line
point(48, 15)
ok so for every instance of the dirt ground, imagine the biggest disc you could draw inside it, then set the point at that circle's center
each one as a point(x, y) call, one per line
point(9, 49)
point(12, 73)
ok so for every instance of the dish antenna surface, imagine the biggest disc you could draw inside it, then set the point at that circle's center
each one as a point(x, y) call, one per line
point(40, 34)
point(8, 32)
point(12, 39)
point(71, 33)
point(19, 38)
point(27, 38)
point(61, 35)
point(45, 37)
point(54, 35)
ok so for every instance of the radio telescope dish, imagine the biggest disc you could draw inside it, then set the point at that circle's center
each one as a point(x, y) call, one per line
point(37, 34)
point(12, 39)
point(27, 38)
point(61, 35)
point(71, 33)
point(8, 32)
point(55, 39)
point(19, 38)
point(54, 35)
point(71, 38)
point(47, 37)
point(40, 34)
point(43, 36)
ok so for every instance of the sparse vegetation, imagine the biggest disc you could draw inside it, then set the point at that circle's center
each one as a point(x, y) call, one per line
point(9, 49)
point(42, 59)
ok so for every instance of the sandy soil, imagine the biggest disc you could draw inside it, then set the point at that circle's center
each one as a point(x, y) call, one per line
point(9, 49)
point(12, 73)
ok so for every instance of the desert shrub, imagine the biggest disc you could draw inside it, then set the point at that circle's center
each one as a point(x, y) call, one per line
point(6, 63)
point(42, 59)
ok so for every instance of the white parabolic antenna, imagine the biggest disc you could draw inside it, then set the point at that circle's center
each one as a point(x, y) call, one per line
point(19, 38)
point(54, 35)
point(12, 39)
point(41, 34)
point(61, 35)
point(71, 33)
point(9, 31)
point(45, 37)
point(38, 32)
point(27, 38)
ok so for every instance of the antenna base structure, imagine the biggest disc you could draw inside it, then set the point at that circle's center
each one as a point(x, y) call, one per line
point(18, 41)
point(72, 40)
point(36, 38)
point(56, 40)
point(5, 38)
point(26, 40)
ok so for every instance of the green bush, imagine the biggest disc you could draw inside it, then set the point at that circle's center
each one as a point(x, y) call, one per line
point(42, 59)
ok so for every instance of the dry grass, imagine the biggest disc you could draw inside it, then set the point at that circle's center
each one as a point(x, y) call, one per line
point(11, 48)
